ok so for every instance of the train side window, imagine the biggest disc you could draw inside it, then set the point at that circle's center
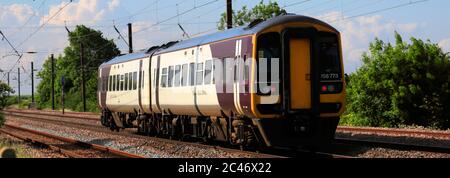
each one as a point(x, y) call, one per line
point(117, 82)
point(164, 78)
point(184, 75)
point(134, 80)
point(126, 82)
point(110, 83)
point(130, 81)
point(191, 74)
point(199, 77)
point(208, 72)
point(113, 83)
point(170, 77)
point(177, 75)
point(121, 82)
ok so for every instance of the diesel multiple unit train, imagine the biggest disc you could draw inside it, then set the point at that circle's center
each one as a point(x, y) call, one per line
point(273, 83)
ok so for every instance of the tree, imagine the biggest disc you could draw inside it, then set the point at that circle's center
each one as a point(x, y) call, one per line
point(405, 84)
point(5, 90)
point(260, 11)
point(96, 51)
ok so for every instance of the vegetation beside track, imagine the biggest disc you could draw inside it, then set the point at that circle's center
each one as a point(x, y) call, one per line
point(400, 84)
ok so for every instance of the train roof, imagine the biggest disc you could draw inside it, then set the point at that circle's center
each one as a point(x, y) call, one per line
point(223, 35)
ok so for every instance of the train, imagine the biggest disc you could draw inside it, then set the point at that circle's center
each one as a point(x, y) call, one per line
point(272, 83)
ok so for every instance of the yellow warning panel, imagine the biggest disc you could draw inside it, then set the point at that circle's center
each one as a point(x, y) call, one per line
point(300, 73)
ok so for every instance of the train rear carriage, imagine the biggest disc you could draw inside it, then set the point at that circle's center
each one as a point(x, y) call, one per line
point(274, 83)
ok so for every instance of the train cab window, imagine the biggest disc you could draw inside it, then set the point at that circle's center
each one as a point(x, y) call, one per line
point(135, 80)
point(184, 72)
point(121, 82)
point(110, 83)
point(170, 77)
point(126, 82)
point(199, 77)
point(208, 72)
point(191, 74)
point(330, 63)
point(164, 78)
point(269, 49)
point(177, 76)
point(117, 82)
point(130, 81)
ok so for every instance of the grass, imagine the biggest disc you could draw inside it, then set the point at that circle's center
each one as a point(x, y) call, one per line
point(19, 148)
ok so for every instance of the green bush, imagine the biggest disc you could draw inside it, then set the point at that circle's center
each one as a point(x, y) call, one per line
point(405, 84)
point(2, 119)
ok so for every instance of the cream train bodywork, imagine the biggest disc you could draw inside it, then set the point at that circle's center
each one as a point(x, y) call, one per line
point(176, 100)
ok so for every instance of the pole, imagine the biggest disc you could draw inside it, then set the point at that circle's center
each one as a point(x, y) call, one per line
point(18, 81)
point(53, 82)
point(83, 87)
point(130, 37)
point(229, 14)
point(32, 82)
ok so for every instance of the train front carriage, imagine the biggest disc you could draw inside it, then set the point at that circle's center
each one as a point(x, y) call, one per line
point(303, 103)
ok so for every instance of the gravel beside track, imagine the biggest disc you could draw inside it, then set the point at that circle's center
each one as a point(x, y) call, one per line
point(140, 145)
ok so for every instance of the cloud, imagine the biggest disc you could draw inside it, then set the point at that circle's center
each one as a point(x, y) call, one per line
point(445, 44)
point(357, 33)
point(113, 4)
point(15, 13)
point(82, 11)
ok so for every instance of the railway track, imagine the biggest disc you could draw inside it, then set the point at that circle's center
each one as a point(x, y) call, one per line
point(392, 145)
point(66, 146)
point(53, 119)
point(383, 131)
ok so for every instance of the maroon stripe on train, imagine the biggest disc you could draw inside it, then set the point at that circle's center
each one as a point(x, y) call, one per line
point(221, 51)
point(105, 74)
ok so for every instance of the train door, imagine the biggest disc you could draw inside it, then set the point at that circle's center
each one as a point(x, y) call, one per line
point(300, 71)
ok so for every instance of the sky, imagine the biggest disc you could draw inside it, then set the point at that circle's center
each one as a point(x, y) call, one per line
point(40, 25)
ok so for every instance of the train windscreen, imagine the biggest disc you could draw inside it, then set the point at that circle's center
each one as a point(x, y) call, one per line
point(330, 63)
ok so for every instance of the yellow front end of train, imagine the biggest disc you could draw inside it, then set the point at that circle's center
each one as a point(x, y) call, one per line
point(302, 104)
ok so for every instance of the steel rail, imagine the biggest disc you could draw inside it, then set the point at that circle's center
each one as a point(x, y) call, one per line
point(434, 134)
point(80, 143)
point(392, 145)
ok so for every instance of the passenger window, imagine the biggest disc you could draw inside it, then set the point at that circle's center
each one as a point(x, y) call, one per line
point(184, 75)
point(121, 82)
point(208, 72)
point(130, 81)
point(126, 82)
point(199, 74)
point(177, 75)
point(117, 82)
point(170, 77)
point(191, 74)
point(110, 83)
point(134, 80)
point(113, 83)
point(164, 78)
